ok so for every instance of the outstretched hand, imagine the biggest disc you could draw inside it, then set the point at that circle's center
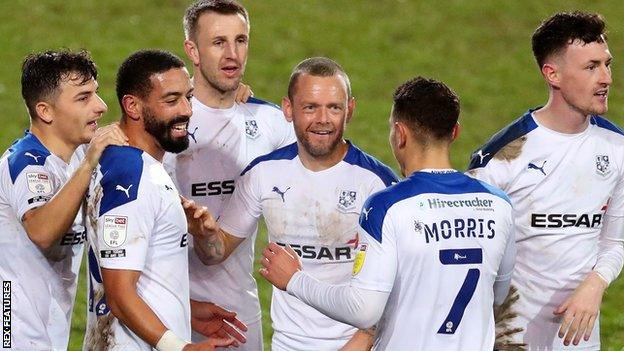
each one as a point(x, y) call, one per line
point(280, 264)
point(243, 93)
point(213, 321)
point(105, 136)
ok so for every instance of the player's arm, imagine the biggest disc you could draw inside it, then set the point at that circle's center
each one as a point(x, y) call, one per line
point(356, 306)
point(64, 206)
point(581, 309)
point(215, 241)
point(505, 269)
point(127, 306)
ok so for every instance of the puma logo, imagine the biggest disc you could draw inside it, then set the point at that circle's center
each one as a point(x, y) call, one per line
point(481, 155)
point(192, 135)
point(281, 193)
point(125, 190)
point(365, 212)
point(541, 169)
point(35, 157)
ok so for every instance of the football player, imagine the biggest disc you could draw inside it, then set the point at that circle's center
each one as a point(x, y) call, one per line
point(43, 180)
point(562, 166)
point(437, 248)
point(225, 136)
point(310, 194)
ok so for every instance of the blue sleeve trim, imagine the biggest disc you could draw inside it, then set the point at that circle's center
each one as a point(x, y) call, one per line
point(606, 124)
point(287, 152)
point(121, 167)
point(513, 131)
point(253, 100)
point(357, 157)
point(25, 152)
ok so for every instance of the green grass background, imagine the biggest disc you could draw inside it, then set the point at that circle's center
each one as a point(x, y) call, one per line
point(480, 48)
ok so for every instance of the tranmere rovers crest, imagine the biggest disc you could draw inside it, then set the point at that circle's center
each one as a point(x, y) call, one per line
point(602, 165)
point(251, 129)
point(346, 201)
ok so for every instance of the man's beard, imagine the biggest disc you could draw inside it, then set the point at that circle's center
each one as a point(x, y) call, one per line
point(161, 131)
point(320, 151)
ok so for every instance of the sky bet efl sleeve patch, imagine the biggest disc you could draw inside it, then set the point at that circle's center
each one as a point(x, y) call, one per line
point(39, 183)
point(115, 230)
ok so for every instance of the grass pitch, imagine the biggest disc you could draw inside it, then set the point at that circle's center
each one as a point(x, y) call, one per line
point(480, 48)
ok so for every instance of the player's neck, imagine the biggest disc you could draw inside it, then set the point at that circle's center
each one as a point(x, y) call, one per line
point(140, 139)
point(419, 158)
point(317, 164)
point(54, 143)
point(559, 116)
point(211, 97)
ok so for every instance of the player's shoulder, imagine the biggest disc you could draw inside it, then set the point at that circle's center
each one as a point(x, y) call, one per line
point(608, 127)
point(356, 157)
point(504, 141)
point(380, 203)
point(261, 104)
point(287, 152)
point(24, 152)
point(121, 169)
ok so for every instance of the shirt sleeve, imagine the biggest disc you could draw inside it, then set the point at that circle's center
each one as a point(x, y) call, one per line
point(33, 187)
point(375, 262)
point(611, 239)
point(128, 212)
point(240, 216)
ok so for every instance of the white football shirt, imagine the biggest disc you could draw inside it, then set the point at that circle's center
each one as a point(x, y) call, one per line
point(222, 142)
point(316, 213)
point(437, 242)
point(42, 283)
point(561, 186)
point(135, 222)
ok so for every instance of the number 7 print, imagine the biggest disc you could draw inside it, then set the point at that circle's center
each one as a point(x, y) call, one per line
point(461, 257)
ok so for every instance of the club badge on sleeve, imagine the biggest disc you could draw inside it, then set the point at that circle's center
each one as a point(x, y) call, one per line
point(115, 230)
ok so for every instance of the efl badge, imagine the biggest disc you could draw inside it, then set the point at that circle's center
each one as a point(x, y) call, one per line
point(359, 259)
point(251, 129)
point(346, 201)
point(115, 230)
point(39, 183)
point(602, 165)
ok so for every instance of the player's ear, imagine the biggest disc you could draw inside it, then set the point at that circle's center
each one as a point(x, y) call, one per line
point(287, 108)
point(456, 131)
point(45, 112)
point(550, 71)
point(401, 133)
point(190, 48)
point(131, 106)
point(350, 108)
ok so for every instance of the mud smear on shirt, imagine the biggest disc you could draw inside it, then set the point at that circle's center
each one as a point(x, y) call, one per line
point(512, 150)
point(92, 205)
point(335, 227)
point(101, 336)
point(504, 315)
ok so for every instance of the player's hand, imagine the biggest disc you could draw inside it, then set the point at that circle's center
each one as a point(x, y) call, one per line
point(279, 265)
point(243, 93)
point(362, 340)
point(201, 224)
point(581, 309)
point(211, 320)
point(210, 344)
point(105, 136)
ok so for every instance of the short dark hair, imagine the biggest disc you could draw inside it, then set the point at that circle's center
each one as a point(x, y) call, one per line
point(223, 7)
point(133, 77)
point(563, 28)
point(317, 67)
point(42, 73)
point(428, 107)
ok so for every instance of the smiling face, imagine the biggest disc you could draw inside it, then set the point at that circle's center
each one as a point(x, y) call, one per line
point(219, 50)
point(320, 109)
point(76, 108)
point(167, 109)
point(584, 77)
